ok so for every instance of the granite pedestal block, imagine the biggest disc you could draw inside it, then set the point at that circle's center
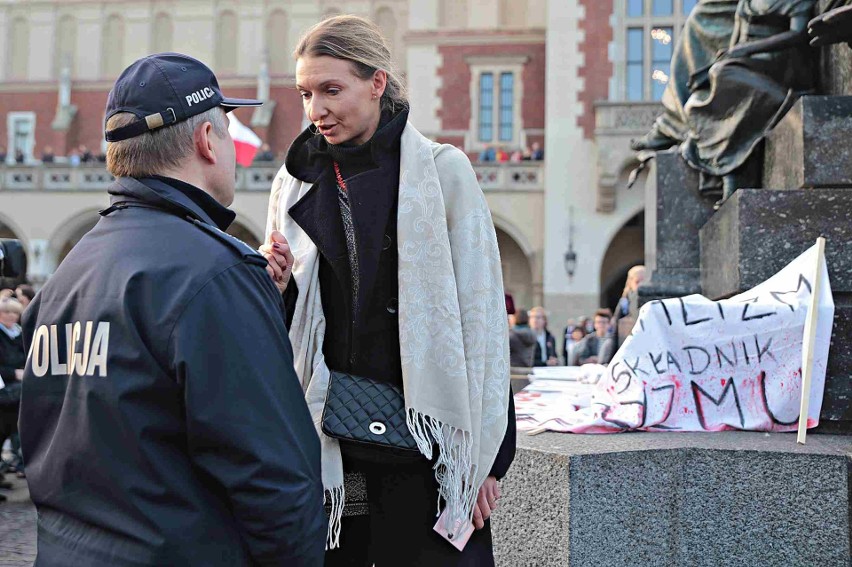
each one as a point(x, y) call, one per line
point(810, 146)
point(757, 232)
point(674, 211)
point(662, 499)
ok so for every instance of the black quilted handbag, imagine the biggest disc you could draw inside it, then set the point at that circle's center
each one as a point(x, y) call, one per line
point(368, 418)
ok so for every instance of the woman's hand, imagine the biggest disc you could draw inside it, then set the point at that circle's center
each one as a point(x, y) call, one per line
point(280, 259)
point(486, 502)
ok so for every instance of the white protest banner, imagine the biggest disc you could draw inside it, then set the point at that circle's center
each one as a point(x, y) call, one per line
point(693, 364)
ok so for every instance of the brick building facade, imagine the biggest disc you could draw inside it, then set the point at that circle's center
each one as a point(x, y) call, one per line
point(481, 74)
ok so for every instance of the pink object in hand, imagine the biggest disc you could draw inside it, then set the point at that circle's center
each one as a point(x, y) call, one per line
point(460, 533)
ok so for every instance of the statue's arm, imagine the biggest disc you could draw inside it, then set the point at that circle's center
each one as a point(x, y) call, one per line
point(796, 35)
point(834, 26)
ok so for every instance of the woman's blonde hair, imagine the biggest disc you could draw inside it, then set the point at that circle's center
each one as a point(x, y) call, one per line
point(359, 41)
point(632, 273)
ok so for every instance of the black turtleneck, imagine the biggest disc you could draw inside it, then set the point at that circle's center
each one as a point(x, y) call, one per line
point(354, 159)
point(221, 215)
point(310, 154)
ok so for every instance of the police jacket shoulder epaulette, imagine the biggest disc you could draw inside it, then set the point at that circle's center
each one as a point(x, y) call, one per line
point(245, 251)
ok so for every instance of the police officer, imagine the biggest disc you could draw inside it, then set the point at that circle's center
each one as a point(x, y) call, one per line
point(161, 418)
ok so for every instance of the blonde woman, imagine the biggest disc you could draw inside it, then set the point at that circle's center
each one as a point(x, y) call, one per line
point(396, 278)
point(628, 304)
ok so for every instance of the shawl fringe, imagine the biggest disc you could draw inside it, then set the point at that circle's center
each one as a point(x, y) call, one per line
point(454, 470)
point(337, 498)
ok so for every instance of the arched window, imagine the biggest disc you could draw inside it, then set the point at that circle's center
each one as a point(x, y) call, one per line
point(278, 43)
point(20, 48)
point(66, 44)
point(113, 46)
point(387, 23)
point(453, 13)
point(161, 34)
point(226, 44)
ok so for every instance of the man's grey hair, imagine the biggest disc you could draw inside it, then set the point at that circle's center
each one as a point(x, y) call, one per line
point(159, 150)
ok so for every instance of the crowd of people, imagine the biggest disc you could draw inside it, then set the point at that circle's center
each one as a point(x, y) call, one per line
point(77, 156)
point(585, 340)
point(12, 361)
point(500, 155)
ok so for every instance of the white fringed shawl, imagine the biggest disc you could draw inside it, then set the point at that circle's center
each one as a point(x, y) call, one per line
point(453, 329)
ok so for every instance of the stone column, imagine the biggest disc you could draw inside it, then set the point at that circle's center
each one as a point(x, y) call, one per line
point(674, 212)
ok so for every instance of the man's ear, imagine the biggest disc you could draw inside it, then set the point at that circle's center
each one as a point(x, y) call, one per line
point(380, 82)
point(203, 142)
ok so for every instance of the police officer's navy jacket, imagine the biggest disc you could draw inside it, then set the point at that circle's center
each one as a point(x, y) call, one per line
point(161, 418)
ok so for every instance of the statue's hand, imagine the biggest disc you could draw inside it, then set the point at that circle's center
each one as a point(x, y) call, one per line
point(832, 27)
point(737, 51)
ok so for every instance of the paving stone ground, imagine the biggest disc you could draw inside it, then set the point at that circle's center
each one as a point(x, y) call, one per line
point(17, 526)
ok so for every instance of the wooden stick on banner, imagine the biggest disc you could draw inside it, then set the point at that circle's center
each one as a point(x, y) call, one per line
point(809, 340)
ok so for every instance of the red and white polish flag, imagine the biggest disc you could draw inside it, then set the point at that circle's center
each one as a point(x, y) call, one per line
point(246, 142)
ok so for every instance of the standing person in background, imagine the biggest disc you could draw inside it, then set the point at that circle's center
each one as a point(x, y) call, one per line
point(596, 348)
point(85, 154)
point(568, 339)
point(12, 361)
point(419, 312)
point(47, 156)
point(628, 304)
point(577, 336)
point(522, 341)
point(265, 153)
point(25, 294)
point(537, 152)
point(510, 304)
point(488, 154)
point(545, 348)
point(12, 354)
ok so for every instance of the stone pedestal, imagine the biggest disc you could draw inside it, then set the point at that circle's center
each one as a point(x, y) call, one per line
point(661, 499)
point(674, 211)
point(809, 147)
point(757, 232)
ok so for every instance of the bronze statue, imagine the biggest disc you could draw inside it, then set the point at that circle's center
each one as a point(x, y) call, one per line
point(707, 31)
point(834, 25)
point(749, 88)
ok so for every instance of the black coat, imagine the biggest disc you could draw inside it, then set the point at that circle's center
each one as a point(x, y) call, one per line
point(550, 343)
point(186, 439)
point(12, 356)
point(522, 346)
point(362, 339)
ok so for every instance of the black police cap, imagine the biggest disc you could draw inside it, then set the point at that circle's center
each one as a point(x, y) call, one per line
point(164, 89)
